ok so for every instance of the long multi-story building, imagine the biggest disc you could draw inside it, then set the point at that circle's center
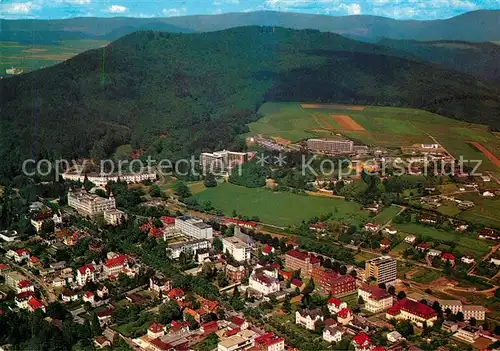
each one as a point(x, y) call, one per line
point(101, 179)
point(237, 248)
point(413, 311)
point(221, 161)
point(330, 146)
point(264, 280)
point(330, 282)
point(376, 299)
point(383, 269)
point(192, 246)
point(90, 204)
point(295, 260)
point(193, 227)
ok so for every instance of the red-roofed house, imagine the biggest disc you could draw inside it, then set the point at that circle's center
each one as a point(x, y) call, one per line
point(268, 249)
point(167, 220)
point(24, 285)
point(269, 342)
point(413, 311)
point(176, 294)
point(34, 304)
point(240, 223)
point(295, 260)
point(89, 297)
point(371, 227)
point(34, 262)
point(362, 342)
point(448, 257)
point(156, 330)
point(375, 298)
point(209, 327)
point(21, 255)
point(159, 345)
point(317, 227)
point(297, 283)
point(239, 322)
point(335, 305)
point(104, 316)
point(156, 232)
point(423, 246)
point(385, 244)
point(22, 299)
point(3, 267)
point(116, 265)
point(345, 316)
point(178, 327)
point(189, 311)
point(85, 274)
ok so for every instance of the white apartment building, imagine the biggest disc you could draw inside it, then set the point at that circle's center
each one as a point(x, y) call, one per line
point(115, 265)
point(375, 298)
point(308, 318)
point(194, 227)
point(264, 281)
point(221, 161)
point(330, 146)
point(8, 235)
point(237, 248)
point(90, 204)
point(101, 179)
point(470, 311)
point(114, 216)
point(383, 269)
point(174, 250)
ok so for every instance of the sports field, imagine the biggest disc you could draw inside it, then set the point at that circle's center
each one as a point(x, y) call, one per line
point(32, 57)
point(279, 208)
point(379, 126)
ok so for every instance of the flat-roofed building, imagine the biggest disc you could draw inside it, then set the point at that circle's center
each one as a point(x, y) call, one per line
point(383, 269)
point(237, 248)
point(221, 161)
point(330, 146)
point(174, 250)
point(193, 227)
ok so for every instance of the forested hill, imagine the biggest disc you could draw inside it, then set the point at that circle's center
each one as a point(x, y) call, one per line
point(200, 90)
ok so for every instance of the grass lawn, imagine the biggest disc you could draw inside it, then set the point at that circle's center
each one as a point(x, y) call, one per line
point(485, 211)
point(386, 214)
point(465, 242)
point(280, 208)
point(130, 328)
point(196, 187)
point(426, 276)
point(384, 126)
point(363, 256)
point(400, 248)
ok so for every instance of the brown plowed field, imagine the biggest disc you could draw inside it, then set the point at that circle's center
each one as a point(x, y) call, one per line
point(347, 123)
point(491, 156)
point(332, 107)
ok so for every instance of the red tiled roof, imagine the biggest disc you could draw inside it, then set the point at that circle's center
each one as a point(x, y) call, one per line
point(412, 307)
point(210, 327)
point(22, 251)
point(335, 301)
point(83, 269)
point(239, 222)
point(233, 331)
point(385, 242)
point(145, 227)
point(24, 295)
point(423, 245)
point(302, 255)
point(106, 312)
point(268, 339)
point(175, 293)
point(116, 261)
point(34, 303)
point(89, 293)
point(34, 259)
point(24, 284)
point(237, 320)
point(157, 327)
point(448, 256)
point(319, 225)
point(179, 325)
point(379, 348)
point(362, 340)
point(3, 266)
point(156, 232)
point(161, 345)
point(296, 282)
point(167, 220)
point(267, 249)
point(344, 313)
point(375, 292)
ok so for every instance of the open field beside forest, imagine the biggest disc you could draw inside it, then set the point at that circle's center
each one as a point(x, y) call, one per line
point(279, 208)
point(378, 126)
point(30, 57)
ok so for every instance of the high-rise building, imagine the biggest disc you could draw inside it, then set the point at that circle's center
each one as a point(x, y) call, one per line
point(221, 161)
point(383, 269)
point(193, 227)
point(330, 146)
point(237, 248)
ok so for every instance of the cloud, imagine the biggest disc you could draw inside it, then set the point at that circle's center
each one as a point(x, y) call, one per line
point(352, 9)
point(117, 9)
point(225, 2)
point(174, 12)
point(19, 8)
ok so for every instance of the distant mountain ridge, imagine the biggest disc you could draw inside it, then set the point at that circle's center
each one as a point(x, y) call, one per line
point(200, 90)
point(476, 26)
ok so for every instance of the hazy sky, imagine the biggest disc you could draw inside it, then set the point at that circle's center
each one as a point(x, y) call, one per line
point(403, 9)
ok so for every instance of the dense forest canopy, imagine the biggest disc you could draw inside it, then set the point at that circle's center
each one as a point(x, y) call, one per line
point(200, 91)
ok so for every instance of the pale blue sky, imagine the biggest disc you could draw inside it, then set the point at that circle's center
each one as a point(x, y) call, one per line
point(401, 9)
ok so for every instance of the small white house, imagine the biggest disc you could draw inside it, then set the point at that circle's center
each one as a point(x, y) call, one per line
point(333, 334)
point(410, 239)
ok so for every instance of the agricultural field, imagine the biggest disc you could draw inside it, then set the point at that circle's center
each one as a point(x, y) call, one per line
point(386, 215)
point(30, 57)
point(279, 208)
point(465, 242)
point(484, 212)
point(378, 126)
point(426, 276)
